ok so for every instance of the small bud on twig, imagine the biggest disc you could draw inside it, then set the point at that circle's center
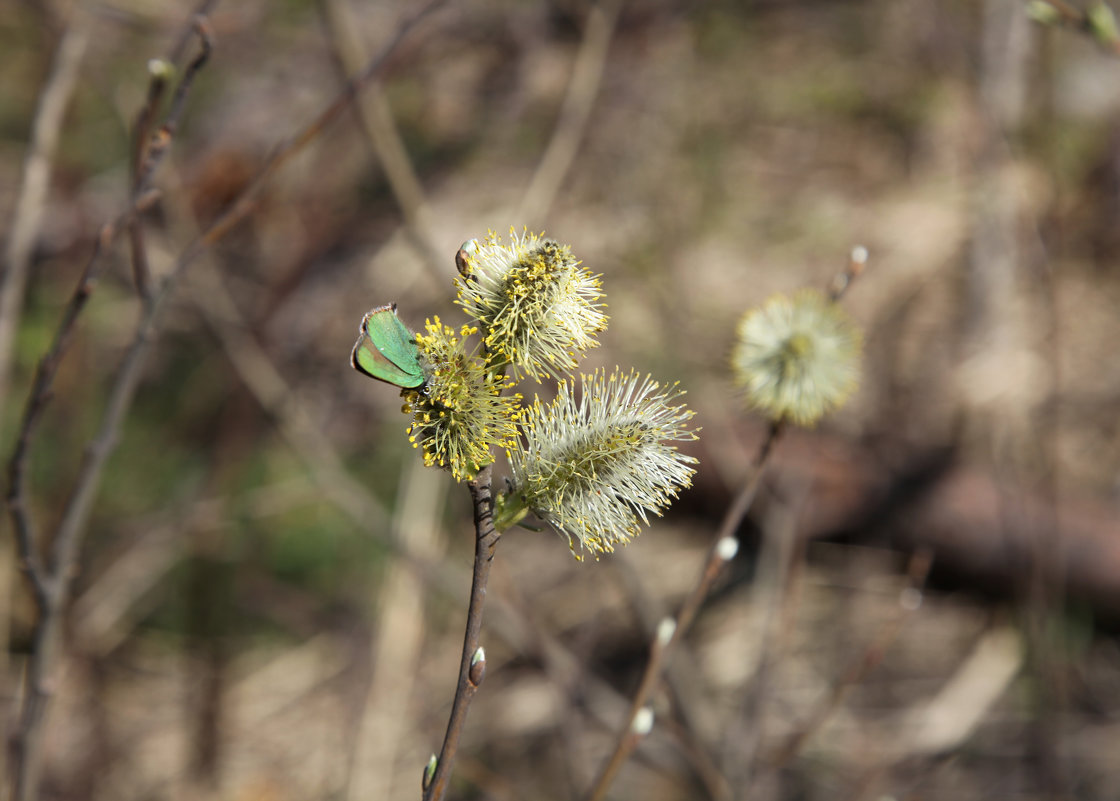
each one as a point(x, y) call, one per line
point(429, 772)
point(643, 722)
point(859, 257)
point(478, 667)
point(160, 69)
point(665, 631)
point(1043, 13)
point(1102, 24)
point(726, 548)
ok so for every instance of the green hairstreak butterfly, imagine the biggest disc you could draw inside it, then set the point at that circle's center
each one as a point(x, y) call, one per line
point(387, 350)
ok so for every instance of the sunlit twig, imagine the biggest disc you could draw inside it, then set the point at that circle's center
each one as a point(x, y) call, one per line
point(472, 665)
point(50, 579)
point(670, 633)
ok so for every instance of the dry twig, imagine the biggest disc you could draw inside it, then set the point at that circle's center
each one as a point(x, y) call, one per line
point(32, 197)
point(381, 730)
point(50, 580)
point(723, 548)
point(909, 602)
point(29, 206)
point(574, 114)
point(375, 117)
point(472, 665)
point(670, 633)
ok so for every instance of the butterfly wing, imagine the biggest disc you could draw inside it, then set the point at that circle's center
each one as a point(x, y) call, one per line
point(386, 349)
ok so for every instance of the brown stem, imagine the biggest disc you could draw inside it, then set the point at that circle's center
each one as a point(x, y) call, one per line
point(149, 149)
point(871, 658)
point(842, 282)
point(660, 649)
point(50, 578)
point(375, 118)
point(41, 392)
point(470, 675)
point(31, 200)
point(51, 588)
point(583, 88)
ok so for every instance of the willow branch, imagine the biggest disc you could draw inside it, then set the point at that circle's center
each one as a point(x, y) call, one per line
point(587, 75)
point(910, 600)
point(288, 149)
point(32, 197)
point(723, 549)
point(149, 152)
point(472, 664)
point(50, 590)
point(375, 118)
point(30, 204)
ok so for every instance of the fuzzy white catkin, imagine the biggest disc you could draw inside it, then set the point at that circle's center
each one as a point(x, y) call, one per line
point(596, 464)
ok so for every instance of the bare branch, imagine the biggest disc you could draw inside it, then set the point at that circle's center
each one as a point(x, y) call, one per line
point(472, 665)
point(662, 646)
point(51, 589)
point(375, 117)
point(574, 114)
point(31, 201)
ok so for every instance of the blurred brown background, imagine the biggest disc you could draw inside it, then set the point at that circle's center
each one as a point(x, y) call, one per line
point(270, 592)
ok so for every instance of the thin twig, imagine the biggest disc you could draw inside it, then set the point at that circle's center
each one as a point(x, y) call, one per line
point(40, 395)
point(375, 117)
point(662, 645)
point(857, 263)
point(723, 548)
point(50, 590)
point(872, 657)
point(162, 138)
point(50, 581)
point(149, 149)
point(574, 114)
point(769, 601)
point(32, 197)
point(679, 684)
point(50, 578)
point(472, 665)
point(782, 551)
point(41, 391)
